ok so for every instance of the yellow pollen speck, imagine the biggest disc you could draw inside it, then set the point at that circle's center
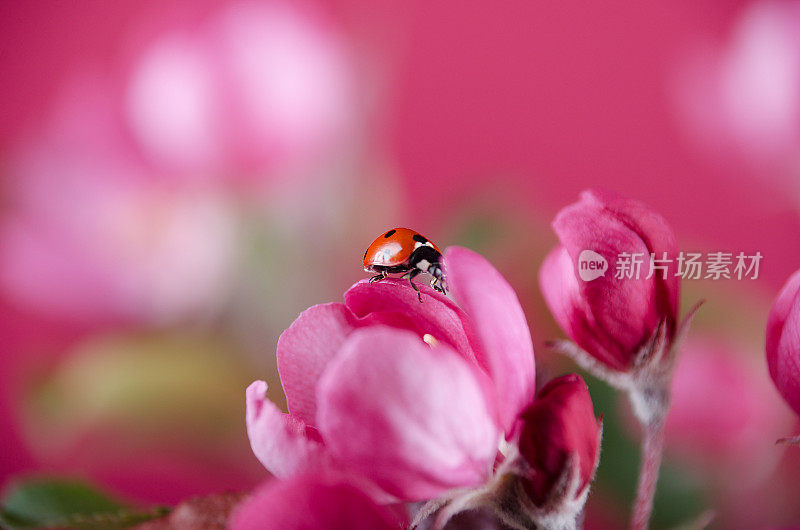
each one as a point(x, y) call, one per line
point(430, 340)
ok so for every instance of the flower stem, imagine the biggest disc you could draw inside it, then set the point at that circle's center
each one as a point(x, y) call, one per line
point(652, 450)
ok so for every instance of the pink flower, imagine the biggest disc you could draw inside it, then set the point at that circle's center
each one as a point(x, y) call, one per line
point(307, 502)
point(783, 342)
point(612, 319)
point(741, 98)
point(702, 426)
point(90, 236)
point(257, 89)
point(119, 203)
point(560, 441)
point(413, 396)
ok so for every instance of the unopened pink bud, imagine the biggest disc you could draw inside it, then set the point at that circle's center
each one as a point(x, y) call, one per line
point(600, 283)
point(783, 342)
point(558, 430)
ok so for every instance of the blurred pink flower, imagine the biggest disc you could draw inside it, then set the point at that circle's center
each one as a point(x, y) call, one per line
point(90, 235)
point(258, 91)
point(742, 99)
point(122, 206)
point(417, 419)
point(783, 342)
point(612, 319)
point(312, 502)
point(705, 428)
point(560, 438)
point(118, 207)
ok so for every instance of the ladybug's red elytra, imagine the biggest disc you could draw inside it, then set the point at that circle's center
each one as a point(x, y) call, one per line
point(402, 250)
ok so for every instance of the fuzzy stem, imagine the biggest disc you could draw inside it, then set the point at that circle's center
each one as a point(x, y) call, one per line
point(652, 450)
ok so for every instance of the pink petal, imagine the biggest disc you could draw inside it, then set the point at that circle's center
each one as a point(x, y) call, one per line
point(312, 503)
point(283, 444)
point(783, 342)
point(656, 234)
point(304, 351)
point(562, 292)
point(393, 302)
point(51, 273)
point(412, 418)
point(498, 320)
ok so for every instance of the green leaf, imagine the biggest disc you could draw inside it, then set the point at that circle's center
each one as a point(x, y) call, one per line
point(36, 503)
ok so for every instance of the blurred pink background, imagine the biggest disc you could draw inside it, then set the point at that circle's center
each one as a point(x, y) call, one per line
point(181, 179)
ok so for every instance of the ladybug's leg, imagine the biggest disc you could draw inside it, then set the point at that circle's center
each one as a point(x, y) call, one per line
point(438, 281)
point(410, 277)
point(378, 277)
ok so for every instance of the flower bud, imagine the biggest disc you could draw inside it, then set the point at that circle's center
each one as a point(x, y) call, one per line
point(600, 283)
point(560, 443)
point(783, 342)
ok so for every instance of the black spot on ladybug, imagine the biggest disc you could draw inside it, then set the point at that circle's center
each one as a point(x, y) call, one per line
point(389, 233)
point(419, 239)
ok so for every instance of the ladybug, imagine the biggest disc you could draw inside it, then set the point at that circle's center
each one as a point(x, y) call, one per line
point(404, 250)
